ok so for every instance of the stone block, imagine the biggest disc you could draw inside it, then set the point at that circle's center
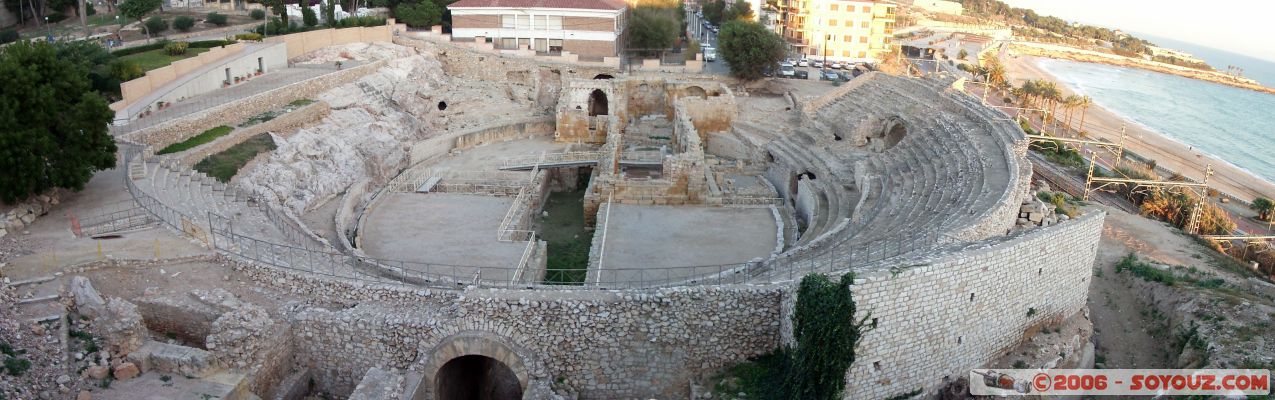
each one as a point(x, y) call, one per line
point(97, 372)
point(126, 371)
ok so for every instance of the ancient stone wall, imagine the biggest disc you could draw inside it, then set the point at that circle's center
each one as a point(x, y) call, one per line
point(508, 130)
point(183, 128)
point(710, 115)
point(934, 317)
point(285, 123)
point(629, 344)
point(937, 317)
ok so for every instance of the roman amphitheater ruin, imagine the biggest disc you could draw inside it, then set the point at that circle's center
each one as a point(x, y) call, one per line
point(404, 215)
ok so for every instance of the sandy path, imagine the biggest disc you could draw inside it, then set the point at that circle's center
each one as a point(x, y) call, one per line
point(1168, 154)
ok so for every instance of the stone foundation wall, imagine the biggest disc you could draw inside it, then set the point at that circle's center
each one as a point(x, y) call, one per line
point(934, 317)
point(285, 123)
point(710, 115)
point(183, 128)
point(509, 130)
point(940, 316)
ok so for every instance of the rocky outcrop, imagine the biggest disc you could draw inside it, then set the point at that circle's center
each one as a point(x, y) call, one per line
point(87, 301)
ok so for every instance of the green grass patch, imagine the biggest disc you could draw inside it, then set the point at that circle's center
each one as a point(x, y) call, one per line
point(272, 114)
point(152, 59)
point(205, 137)
point(1145, 271)
point(226, 164)
point(568, 242)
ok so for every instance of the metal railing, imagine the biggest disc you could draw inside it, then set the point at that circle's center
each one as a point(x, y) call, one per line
point(220, 233)
point(117, 220)
point(551, 158)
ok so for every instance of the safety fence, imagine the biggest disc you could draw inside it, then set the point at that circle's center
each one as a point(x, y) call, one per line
point(220, 233)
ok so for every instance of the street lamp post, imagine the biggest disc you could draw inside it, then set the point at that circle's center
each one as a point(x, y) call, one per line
point(46, 25)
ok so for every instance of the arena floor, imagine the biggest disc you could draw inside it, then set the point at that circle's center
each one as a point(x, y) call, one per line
point(644, 242)
point(444, 229)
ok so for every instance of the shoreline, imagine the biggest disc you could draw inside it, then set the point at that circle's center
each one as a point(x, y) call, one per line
point(1121, 61)
point(1168, 153)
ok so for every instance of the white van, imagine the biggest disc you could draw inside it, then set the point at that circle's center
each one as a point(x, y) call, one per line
point(710, 54)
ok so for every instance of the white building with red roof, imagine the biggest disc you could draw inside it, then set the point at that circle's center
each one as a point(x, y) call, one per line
point(590, 28)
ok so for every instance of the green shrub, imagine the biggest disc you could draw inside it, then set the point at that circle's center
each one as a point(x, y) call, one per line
point(308, 17)
point(257, 14)
point(183, 23)
point(125, 70)
point(205, 137)
point(1145, 271)
point(216, 19)
point(249, 36)
point(16, 366)
point(176, 48)
point(139, 49)
point(423, 14)
point(205, 44)
point(88, 9)
point(9, 36)
point(55, 17)
point(156, 25)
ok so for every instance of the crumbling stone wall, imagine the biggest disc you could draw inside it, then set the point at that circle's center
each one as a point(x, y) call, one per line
point(180, 129)
point(604, 345)
point(284, 125)
point(710, 115)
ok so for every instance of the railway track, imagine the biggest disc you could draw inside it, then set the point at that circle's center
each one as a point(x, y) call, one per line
point(1060, 178)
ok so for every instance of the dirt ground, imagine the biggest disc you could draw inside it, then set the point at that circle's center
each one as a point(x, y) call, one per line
point(1131, 328)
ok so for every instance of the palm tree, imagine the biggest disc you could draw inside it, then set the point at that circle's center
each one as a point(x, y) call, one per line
point(1069, 105)
point(1263, 206)
point(1085, 102)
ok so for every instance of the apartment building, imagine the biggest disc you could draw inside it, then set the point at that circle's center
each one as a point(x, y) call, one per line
point(589, 28)
point(841, 30)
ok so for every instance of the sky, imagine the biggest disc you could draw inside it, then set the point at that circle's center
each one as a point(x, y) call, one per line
point(1240, 26)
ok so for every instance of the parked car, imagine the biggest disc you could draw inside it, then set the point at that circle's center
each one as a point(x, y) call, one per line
point(801, 74)
point(803, 63)
point(817, 63)
point(710, 54)
point(834, 65)
point(846, 75)
point(829, 76)
point(787, 71)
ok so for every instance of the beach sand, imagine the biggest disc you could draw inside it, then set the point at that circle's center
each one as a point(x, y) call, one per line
point(1167, 153)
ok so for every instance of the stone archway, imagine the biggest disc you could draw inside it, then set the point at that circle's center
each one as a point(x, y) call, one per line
point(695, 91)
point(474, 365)
point(475, 377)
point(597, 103)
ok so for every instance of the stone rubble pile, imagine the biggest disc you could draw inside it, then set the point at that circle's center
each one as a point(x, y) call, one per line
point(1034, 212)
point(45, 377)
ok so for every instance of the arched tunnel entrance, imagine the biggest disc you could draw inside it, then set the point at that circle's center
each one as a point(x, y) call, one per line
point(597, 103)
point(476, 377)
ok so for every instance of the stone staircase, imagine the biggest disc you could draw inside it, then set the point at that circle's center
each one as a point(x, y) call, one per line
point(40, 302)
point(950, 171)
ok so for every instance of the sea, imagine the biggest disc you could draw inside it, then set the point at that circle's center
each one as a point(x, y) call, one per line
point(1233, 124)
